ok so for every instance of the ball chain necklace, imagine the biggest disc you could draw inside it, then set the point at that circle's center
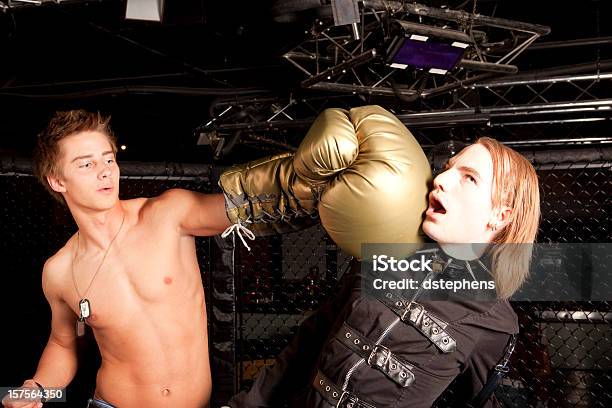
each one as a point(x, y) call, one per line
point(84, 304)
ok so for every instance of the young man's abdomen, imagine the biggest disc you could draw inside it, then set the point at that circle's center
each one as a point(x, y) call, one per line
point(162, 362)
point(129, 386)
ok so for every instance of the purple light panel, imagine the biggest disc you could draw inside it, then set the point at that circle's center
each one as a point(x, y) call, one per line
point(428, 54)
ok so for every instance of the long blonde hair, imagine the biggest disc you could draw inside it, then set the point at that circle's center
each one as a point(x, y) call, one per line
point(515, 184)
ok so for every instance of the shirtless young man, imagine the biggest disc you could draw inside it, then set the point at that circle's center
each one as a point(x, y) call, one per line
point(131, 273)
point(135, 263)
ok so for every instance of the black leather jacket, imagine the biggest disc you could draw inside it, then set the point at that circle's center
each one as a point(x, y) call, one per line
point(387, 351)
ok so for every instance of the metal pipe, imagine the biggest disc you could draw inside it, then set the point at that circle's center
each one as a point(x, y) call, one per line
point(305, 56)
point(455, 15)
point(511, 56)
point(573, 155)
point(573, 316)
point(589, 67)
point(548, 122)
point(488, 66)
point(298, 66)
point(600, 157)
point(554, 105)
point(573, 166)
point(355, 29)
point(337, 69)
point(362, 89)
point(381, 80)
point(473, 119)
point(566, 78)
point(517, 111)
point(335, 87)
point(581, 42)
point(173, 90)
point(603, 109)
point(282, 111)
point(502, 111)
point(94, 81)
point(10, 165)
point(337, 44)
point(410, 27)
point(18, 4)
point(458, 84)
point(265, 126)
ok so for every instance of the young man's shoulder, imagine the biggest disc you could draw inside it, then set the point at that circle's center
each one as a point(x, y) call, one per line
point(165, 210)
point(141, 207)
point(136, 205)
point(172, 196)
point(61, 259)
point(169, 201)
point(150, 211)
point(57, 266)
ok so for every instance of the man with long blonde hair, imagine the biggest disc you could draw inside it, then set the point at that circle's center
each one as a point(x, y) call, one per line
point(403, 349)
point(513, 209)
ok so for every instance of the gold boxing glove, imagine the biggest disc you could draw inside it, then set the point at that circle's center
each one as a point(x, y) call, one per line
point(267, 197)
point(372, 174)
point(361, 169)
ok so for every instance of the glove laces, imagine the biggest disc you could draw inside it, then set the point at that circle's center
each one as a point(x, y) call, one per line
point(239, 229)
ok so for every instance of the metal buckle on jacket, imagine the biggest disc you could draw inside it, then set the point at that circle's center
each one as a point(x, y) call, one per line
point(406, 314)
point(350, 402)
point(376, 349)
point(502, 368)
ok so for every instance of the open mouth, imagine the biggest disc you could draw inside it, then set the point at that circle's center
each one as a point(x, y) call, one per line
point(436, 205)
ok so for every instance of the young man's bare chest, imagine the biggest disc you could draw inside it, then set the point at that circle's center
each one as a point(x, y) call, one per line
point(146, 271)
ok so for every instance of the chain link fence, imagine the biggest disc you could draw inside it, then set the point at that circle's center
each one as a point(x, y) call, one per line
point(257, 299)
point(564, 353)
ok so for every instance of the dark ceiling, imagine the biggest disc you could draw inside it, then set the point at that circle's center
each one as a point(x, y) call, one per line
point(161, 81)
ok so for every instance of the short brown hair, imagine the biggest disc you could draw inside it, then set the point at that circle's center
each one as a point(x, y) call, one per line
point(62, 125)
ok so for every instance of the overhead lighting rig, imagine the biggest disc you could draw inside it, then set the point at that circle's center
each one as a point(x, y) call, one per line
point(408, 50)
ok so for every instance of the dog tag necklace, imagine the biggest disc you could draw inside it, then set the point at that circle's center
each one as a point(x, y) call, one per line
point(84, 304)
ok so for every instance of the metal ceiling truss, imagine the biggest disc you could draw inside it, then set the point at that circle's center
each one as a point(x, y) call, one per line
point(557, 133)
point(279, 124)
point(356, 58)
point(569, 97)
point(346, 61)
point(523, 100)
point(264, 122)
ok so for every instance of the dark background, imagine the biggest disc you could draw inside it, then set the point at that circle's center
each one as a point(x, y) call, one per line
point(160, 81)
point(86, 54)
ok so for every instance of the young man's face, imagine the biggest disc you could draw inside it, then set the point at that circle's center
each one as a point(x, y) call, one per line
point(460, 204)
point(89, 175)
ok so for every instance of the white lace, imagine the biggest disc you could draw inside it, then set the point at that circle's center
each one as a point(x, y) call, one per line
point(239, 229)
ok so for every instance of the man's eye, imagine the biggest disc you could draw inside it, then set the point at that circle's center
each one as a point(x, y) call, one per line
point(470, 178)
point(86, 165)
point(109, 161)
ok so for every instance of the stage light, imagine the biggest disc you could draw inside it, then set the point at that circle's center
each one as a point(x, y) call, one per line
point(149, 10)
point(436, 50)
